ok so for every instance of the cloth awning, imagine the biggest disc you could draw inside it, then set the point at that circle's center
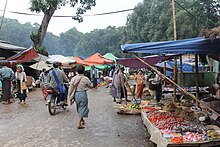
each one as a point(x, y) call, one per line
point(97, 59)
point(200, 46)
point(170, 65)
point(135, 63)
point(79, 60)
point(110, 56)
point(41, 58)
point(40, 66)
point(24, 56)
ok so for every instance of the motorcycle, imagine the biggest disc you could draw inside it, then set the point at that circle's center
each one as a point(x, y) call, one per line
point(54, 103)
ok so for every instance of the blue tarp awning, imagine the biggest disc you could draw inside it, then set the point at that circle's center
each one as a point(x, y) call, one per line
point(201, 46)
point(135, 63)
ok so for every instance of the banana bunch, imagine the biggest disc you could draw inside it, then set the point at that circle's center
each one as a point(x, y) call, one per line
point(132, 106)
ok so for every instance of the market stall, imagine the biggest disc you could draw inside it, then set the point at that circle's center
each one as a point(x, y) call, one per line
point(169, 123)
point(172, 128)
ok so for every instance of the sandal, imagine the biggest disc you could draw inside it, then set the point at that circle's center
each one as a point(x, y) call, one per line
point(80, 127)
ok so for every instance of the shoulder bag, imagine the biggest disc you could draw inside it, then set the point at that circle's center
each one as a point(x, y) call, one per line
point(72, 99)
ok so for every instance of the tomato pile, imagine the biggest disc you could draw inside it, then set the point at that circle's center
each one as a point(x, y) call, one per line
point(165, 120)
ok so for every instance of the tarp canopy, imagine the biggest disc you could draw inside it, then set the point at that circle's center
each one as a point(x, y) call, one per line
point(101, 67)
point(78, 60)
point(97, 59)
point(110, 56)
point(135, 63)
point(170, 65)
point(41, 58)
point(24, 56)
point(201, 46)
point(61, 59)
point(40, 65)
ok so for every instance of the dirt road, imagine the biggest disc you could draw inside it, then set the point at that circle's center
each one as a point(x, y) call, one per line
point(31, 125)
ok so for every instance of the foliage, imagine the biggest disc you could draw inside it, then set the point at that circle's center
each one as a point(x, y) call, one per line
point(152, 20)
point(48, 7)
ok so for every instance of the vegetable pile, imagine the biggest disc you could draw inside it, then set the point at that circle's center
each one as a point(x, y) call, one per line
point(165, 120)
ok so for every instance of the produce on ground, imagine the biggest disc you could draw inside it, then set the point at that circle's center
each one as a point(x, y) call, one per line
point(132, 106)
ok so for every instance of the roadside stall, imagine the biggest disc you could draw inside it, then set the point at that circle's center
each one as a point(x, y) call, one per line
point(182, 123)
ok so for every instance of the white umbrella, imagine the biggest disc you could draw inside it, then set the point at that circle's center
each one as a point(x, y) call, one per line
point(40, 65)
point(61, 59)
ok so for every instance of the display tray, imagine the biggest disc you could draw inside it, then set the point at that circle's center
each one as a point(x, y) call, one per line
point(158, 139)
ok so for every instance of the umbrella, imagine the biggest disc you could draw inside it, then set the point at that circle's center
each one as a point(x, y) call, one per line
point(40, 65)
point(61, 59)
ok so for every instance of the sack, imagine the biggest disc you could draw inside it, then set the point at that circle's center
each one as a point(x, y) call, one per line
point(62, 89)
point(23, 86)
point(113, 91)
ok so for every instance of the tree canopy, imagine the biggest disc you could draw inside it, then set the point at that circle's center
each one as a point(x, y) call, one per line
point(48, 7)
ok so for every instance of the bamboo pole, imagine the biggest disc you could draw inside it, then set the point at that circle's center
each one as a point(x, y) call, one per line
point(181, 70)
point(197, 78)
point(180, 88)
point(164, 71)
point(174, 79)
point(174, 20)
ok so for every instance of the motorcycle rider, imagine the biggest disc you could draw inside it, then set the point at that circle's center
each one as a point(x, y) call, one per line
point(62, 79)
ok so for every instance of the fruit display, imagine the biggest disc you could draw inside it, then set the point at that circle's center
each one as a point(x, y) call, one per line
point(131, 109)
point(101, 84)
point(132, 106)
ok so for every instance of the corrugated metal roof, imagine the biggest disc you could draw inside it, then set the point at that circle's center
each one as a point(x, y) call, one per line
point(7, 46)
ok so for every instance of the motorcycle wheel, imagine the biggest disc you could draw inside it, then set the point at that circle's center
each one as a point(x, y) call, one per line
point(52, 105)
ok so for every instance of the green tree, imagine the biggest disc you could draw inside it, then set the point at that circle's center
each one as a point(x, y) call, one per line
point(152, 20)
point(69, 40)
point(48, 7)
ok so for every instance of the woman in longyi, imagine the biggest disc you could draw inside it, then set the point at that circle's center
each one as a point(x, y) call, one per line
point(140, 83)
point(78, 93)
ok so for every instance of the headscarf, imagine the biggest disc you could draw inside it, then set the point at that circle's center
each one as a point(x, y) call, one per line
point(20, 65)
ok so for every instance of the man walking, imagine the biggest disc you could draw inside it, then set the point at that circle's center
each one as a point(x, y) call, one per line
point(6, 75)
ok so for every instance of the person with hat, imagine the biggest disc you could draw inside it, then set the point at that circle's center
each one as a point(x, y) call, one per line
point(6, 76)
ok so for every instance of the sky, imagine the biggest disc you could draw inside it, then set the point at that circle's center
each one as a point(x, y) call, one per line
point(59, 25)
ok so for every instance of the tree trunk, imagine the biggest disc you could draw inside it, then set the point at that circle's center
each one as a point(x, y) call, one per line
point(38, 38)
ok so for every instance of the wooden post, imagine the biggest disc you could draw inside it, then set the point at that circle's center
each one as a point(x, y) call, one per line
point(180, 88)
point(174, 38)
point(174, 20)
point(164, 71)
point(197, 78)
point(174, 79)
point(181, 70)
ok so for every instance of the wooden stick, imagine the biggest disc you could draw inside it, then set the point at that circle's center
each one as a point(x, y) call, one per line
point(181, 70)
point(174, 79)
point(180, 88)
